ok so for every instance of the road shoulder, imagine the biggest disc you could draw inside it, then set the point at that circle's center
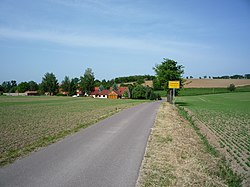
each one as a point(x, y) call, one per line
point(175, 155)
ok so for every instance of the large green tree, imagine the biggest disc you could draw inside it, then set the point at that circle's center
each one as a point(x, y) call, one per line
point(6, 85)
point(23, 87)
point(9, 86)
point(87, 81)
point(49, 83)
point(115, 87)
point(66, 84)
point(74, 85)
point(139, 92)
point(168, 70)
point(33, 86)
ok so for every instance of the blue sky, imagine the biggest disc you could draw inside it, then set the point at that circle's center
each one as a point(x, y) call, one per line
point(122, 37)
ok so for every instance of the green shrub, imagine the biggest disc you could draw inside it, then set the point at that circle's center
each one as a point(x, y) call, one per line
point(231, 87)
point(139, 92)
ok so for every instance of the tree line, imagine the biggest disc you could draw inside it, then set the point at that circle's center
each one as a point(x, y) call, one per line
point(167, 70)
point(136, 78)
point(246, 76)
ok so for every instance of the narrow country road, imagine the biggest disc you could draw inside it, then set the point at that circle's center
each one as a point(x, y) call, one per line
point(108, 153)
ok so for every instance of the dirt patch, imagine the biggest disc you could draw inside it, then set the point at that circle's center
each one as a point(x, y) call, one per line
point(175, 155)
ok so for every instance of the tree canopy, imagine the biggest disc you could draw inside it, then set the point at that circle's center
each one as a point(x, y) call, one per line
point(66, 84)
point(73, 86)
point(168, 70)
point(33, 86)
point(136, 78)
point(88, 81)
point(23, 87)
point(49, 83)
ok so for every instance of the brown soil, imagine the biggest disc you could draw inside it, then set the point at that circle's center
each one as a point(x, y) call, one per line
point(215, 83)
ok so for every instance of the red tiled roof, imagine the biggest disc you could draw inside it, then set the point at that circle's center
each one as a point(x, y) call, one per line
point(96, 92)
point(123, 89)
point(104, 92)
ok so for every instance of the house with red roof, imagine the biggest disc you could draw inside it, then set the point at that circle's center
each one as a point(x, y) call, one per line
point(104, 94)
point(110, 94)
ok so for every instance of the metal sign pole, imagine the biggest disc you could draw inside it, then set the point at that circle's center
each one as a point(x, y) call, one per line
point(173, 94)
point(173, 85)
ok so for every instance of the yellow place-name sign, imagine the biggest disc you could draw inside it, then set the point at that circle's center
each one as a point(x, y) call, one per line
point(174, 84)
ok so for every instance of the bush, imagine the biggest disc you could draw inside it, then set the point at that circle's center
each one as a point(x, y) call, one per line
point(125, 94)
point(139, 92)
point(231, 87)
point(153, 96)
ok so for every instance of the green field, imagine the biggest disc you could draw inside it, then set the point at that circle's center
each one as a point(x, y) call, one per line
point(228, 117)
point(204, 91)
point(28, 123)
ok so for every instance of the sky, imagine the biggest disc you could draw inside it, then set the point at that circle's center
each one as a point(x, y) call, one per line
point(122, 37)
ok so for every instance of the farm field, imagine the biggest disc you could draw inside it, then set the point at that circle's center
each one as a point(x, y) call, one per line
point(28, 123)
point(205, 91)
point(215, 83)
point(227, 116)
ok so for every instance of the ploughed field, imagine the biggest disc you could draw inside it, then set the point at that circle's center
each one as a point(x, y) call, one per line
point(215, 83)
point(27, 123)
point(227, 116)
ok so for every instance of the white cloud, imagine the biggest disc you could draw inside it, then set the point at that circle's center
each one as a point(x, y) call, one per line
point(153, 46)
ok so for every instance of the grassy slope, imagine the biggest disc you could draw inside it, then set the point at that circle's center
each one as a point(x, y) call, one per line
point(228, 117)
point(31, 122)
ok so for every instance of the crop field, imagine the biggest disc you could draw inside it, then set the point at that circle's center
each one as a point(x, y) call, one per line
point(27, 123)
point(204, 91)
point(215, 83)
point(228, 118)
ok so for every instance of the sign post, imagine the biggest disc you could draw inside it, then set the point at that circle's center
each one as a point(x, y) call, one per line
point(174, 85)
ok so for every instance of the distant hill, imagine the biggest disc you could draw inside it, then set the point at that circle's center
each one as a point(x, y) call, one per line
point(134, 78)
point(215, 83)
point(146, 83)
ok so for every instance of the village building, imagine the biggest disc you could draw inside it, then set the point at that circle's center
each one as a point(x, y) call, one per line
point(109, 94)
point(31, 93)
point(114, 95)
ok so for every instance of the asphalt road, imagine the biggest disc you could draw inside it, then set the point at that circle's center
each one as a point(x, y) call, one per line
point(108, 153)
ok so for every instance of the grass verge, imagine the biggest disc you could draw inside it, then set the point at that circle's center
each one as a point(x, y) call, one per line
point(176, 156)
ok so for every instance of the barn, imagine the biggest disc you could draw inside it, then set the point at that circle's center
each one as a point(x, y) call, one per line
point(113, 95)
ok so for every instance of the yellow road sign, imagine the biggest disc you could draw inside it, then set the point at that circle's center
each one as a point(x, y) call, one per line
point(174, 84)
